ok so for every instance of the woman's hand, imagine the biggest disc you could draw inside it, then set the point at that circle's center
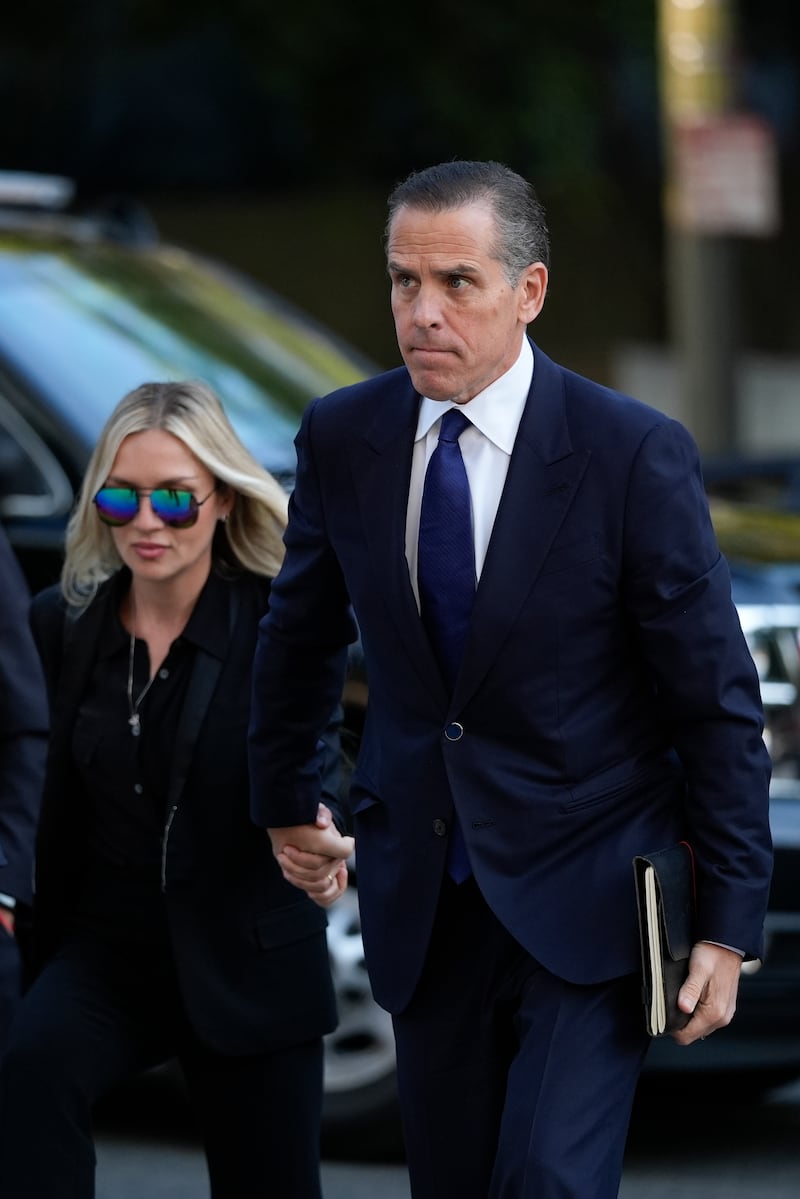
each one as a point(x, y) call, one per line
point(314, 857)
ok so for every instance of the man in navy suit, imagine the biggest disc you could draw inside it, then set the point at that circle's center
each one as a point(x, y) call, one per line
point(23, 745)
point(603, 704)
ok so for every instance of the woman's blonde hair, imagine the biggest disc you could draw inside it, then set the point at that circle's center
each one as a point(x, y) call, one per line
point(251, 537)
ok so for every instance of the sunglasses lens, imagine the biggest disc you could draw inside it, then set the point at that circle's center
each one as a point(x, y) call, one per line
point(176, 508)
point(116, 505)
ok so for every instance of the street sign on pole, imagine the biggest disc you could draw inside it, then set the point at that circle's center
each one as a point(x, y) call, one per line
point(725, 176)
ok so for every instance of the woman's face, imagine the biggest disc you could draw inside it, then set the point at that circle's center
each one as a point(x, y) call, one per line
point(154, 551)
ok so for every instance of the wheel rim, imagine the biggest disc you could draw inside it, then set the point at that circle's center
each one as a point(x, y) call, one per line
point(360, 1051)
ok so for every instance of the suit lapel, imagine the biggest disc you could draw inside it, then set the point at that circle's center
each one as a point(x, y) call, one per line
point(543, 476)
point(381, 462)
point(81, 632)
point(203, 680)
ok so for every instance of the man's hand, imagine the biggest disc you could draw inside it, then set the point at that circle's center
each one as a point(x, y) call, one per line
point(314, 857)
point(709, 993)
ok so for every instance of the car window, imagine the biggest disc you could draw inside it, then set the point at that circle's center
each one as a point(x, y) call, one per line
point(86, 327)
point(32, 482)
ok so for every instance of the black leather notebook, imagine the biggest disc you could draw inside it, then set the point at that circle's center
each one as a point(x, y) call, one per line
point(665, 902)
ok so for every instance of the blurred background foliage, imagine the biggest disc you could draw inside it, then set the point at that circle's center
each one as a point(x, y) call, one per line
point(269, 135)
point(751, 533)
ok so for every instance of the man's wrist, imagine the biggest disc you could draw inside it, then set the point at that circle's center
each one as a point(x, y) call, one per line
point(721, 945)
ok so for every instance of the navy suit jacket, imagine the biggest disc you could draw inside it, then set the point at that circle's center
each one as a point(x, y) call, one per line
point(608, 701)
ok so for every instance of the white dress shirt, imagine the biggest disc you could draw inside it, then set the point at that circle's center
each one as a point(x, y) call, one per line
point(486, 448)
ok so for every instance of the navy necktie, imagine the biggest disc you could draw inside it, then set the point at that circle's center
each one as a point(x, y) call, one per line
point(446, 573)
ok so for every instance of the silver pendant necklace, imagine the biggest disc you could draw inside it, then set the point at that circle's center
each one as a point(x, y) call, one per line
point(134, 705)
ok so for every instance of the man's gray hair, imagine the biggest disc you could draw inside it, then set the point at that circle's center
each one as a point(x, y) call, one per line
point(522, 234)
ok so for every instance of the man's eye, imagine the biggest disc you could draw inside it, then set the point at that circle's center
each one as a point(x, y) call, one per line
point(456, 282)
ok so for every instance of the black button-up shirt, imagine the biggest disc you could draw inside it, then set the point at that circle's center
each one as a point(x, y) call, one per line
point(126, 778)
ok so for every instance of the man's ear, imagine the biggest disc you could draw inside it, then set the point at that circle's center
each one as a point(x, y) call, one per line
point(532, 289)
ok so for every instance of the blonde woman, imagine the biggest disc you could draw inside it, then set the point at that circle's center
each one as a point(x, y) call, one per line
point(163, 924)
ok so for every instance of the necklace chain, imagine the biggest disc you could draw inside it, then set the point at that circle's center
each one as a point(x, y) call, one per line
point(134, 705)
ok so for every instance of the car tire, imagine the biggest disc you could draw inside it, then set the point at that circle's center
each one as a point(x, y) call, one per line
point(360, 1102)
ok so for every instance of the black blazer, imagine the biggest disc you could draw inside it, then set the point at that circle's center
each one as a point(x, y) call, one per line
point(23, 731)
point(250, 950)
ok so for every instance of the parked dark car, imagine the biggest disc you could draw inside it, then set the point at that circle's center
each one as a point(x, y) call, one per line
point(755, 506)
point(766, 483)
point(92, 304)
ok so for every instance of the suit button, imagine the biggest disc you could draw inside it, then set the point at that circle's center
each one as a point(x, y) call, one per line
point(440, 828)
point(454, 731)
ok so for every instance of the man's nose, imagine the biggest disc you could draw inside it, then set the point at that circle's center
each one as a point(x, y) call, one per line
point(427, 308)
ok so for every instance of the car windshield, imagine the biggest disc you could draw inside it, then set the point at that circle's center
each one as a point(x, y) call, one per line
point(85, 325)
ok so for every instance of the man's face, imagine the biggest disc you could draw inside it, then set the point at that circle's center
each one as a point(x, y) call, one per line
point(459, 322)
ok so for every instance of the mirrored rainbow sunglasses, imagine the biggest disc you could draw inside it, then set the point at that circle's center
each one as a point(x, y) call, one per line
point(175, 507)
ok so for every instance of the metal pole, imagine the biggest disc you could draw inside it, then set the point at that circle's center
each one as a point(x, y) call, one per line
point(694, 56)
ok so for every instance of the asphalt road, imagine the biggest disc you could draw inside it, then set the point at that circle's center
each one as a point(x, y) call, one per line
point(687, 1147)
point(700, 1146)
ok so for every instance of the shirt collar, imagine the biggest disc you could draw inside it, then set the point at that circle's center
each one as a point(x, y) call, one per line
point(207, 627)
point(112, 635)
point(496, 411)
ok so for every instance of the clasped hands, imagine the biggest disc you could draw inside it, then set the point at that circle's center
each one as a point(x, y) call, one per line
point(314, 857)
